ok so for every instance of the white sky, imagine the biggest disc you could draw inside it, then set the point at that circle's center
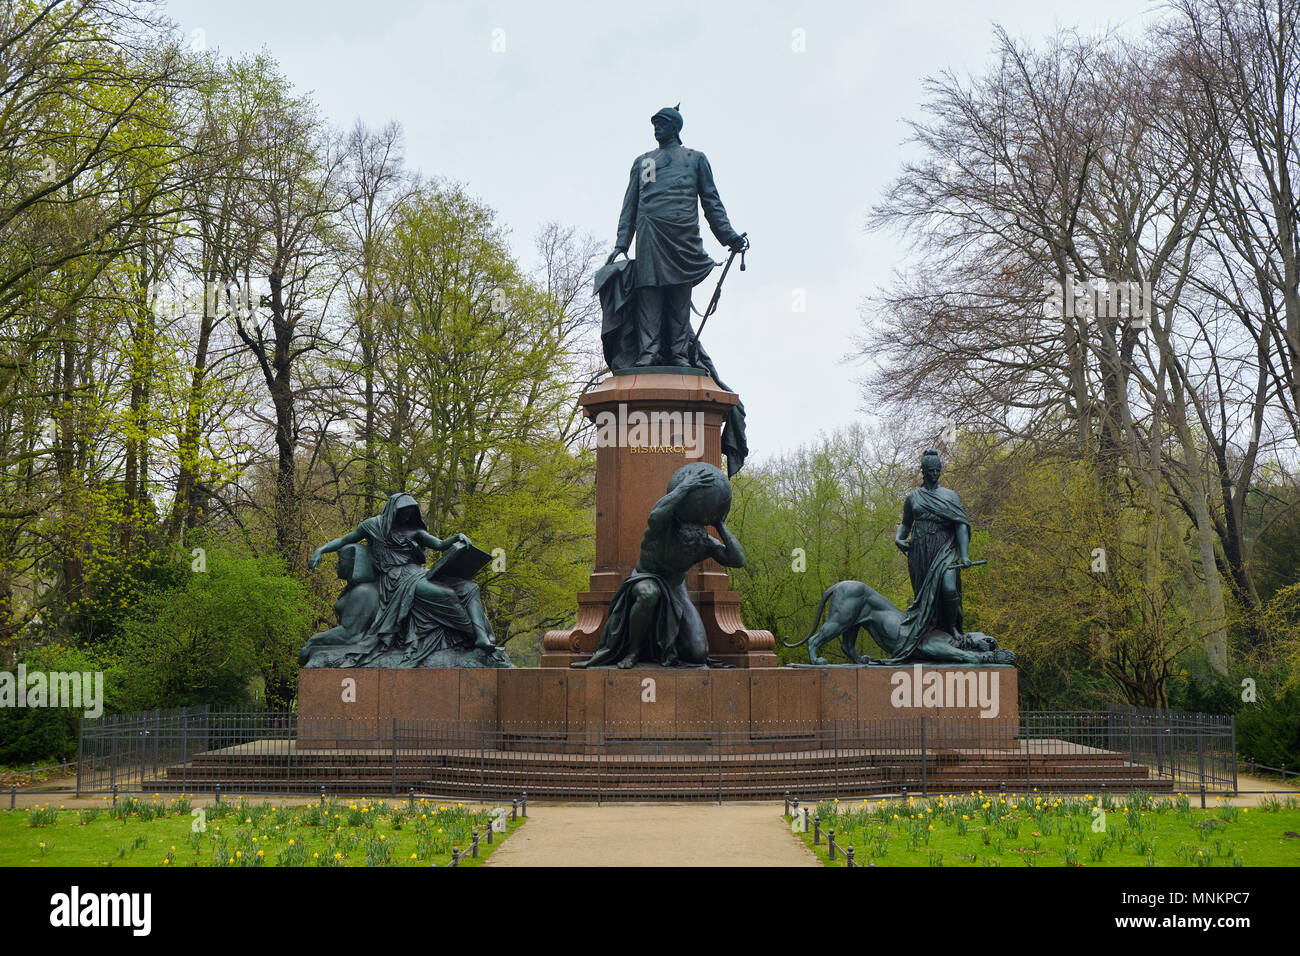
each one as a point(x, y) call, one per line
point(801, 144)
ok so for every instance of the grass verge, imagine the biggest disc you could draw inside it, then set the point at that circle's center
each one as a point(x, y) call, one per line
point(171, 832)
point(1044, 829)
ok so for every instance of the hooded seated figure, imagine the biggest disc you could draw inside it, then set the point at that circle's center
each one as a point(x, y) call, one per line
point(420, 622)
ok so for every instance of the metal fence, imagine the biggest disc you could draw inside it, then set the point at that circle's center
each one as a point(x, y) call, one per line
point(196, 750)
point(1183, 746)
point(127, 750)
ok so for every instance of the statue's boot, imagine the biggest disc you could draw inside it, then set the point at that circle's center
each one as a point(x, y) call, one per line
point(483, 634)
point(682, 337)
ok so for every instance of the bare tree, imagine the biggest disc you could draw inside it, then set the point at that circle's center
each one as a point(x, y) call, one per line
point(289, 218)
point(378, 182)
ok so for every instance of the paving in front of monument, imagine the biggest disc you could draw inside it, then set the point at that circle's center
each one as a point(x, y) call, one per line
point(742, 834)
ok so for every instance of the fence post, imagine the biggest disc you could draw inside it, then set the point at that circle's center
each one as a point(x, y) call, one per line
point(924, 770)
point(835, 740)
point(523, 804)
point(290, 737)
point(1029, 772)
point(717, 753)
point(13, 795)
point(1232, 724)
point(185, 751)
point(1132, 740)
point(830, 843)
point(482, 761)
point(848, 857)
point(80, 730)
point(817, 829)
point(393, 788)
point(473, 852)
point(1200, 761)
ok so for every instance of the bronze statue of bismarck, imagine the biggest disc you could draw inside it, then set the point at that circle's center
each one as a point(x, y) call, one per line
point(666, 188)
point(646, 302)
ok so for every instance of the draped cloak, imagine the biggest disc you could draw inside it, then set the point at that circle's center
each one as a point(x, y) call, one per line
point(616, 288)
point(935, 517)
point(616, 639)
point(408, 628)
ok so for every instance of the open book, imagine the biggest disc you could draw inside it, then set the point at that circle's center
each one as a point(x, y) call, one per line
point(461, 560)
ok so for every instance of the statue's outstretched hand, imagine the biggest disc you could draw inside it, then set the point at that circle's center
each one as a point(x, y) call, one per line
point(314, 561)
point(739, 244)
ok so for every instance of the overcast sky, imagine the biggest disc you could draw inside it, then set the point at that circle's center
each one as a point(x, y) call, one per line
point(540, 108)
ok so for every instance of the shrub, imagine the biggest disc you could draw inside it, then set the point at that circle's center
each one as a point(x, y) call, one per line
point(43, 734)
point(1269, 730)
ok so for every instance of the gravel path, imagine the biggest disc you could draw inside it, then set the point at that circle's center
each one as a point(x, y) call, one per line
point(654, 835)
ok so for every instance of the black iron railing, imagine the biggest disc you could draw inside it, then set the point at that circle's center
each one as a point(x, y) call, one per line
point(197, 750)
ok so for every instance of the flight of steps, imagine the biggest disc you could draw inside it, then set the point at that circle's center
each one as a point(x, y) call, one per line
point(658, 770)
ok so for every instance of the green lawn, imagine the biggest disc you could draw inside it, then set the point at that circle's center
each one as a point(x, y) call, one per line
point(169, 832)
point(1048, 830)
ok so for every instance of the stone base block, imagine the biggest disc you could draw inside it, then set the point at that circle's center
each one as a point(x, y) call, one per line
point(651, 702)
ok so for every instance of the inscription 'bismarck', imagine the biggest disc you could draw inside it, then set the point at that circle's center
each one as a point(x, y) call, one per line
point(658, 450)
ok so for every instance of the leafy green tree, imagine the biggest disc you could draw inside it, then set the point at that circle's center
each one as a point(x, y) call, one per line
point(216, 637)
point(824, 513)
point(36, 734)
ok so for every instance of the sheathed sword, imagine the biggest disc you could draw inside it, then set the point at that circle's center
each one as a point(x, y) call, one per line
point(717, 291)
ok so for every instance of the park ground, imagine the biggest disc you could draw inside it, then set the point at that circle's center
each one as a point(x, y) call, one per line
point(1045, 829)
point(162, 831)
point(56, 828)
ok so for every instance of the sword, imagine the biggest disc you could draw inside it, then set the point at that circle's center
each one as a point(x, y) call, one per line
point(717, 292)
point(958, 566)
